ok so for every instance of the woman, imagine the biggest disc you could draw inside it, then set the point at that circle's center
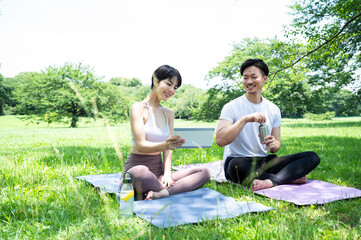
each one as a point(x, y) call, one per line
point(152, 134)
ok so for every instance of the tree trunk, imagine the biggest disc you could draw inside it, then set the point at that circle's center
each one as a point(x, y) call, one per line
point(74, 120)
point(74, 117)
point(2, 113)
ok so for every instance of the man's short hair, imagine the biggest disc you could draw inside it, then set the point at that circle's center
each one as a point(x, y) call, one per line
point(257, 63)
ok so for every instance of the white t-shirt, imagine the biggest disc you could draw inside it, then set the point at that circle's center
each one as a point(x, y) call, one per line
point(247, 143)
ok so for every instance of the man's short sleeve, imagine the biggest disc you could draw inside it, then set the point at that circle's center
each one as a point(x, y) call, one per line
point(277, 118)
point(227, 113)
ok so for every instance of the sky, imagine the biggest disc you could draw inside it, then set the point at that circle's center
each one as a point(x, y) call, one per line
point(131, 38)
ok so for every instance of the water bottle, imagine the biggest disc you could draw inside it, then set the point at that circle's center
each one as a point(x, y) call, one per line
point(126, 196)
point(263, 131)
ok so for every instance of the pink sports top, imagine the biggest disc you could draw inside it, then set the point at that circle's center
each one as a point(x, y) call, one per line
point(152, 132)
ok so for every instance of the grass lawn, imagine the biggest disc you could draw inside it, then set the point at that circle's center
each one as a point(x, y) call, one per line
point(40, 199)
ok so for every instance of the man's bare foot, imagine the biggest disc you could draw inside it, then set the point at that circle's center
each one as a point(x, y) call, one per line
point(261, 184)
point(301, 180)
point(156, 195)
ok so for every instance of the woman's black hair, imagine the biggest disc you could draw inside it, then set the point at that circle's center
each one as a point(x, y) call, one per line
point(166, 72)
point(257, 63)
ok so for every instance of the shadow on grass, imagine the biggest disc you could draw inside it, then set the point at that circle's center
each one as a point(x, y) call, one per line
point(340, 161)
point(104, 159)
point(183, 156)
point(340, 157)
point(76, 212)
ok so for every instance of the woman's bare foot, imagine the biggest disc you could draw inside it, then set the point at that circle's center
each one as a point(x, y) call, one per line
point(149, 195)
point(301, 180)
point(156, 195)
point(261, 184)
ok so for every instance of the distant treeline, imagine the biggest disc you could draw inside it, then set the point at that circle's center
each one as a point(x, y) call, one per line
point(72, 91)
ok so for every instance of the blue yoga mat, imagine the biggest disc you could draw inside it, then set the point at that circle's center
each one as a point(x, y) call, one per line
point(193, 207)
point(189, 207)
point(107, 183)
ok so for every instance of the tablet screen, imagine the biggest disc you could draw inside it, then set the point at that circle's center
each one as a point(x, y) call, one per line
point(196, 137)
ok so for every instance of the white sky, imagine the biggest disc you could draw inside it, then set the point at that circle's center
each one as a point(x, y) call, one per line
point(131, 38)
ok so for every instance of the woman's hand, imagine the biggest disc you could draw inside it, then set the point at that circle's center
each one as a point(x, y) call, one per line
point(174, 142)
point(167, 180)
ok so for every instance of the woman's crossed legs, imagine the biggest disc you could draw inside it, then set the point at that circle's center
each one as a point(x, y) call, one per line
point(146, 182)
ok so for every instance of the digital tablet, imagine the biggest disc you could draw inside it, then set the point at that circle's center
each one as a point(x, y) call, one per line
point(196, 137)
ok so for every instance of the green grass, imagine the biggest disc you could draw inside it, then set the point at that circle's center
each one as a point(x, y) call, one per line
point(40, 199)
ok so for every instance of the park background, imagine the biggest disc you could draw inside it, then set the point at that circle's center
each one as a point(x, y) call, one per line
point(314, 62)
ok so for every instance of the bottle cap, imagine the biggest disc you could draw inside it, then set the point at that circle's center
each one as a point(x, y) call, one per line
point(127, 177)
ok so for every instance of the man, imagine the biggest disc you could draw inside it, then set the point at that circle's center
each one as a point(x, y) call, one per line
point(246, 158)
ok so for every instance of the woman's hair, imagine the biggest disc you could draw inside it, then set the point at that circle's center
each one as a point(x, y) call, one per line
point(257, 63)
point(166, 72)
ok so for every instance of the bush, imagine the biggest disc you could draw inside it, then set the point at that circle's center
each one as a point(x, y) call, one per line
point(321, 116)
point(50, 117)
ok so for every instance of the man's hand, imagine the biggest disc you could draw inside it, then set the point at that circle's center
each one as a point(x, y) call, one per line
point(272, 143)
point(256, 117)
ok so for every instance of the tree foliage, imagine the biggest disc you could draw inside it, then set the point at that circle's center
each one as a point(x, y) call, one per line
point(186, 101)
point(344, 103)
point(275, 53)
point(26, 93)
point(304, 75)
point(59, 92)
point(294, 98)
point(127, 82)
point(67, 93)
point(288, 88)
point(213, 102)
point(332, 29)
point(112, 103)
point(4, 95)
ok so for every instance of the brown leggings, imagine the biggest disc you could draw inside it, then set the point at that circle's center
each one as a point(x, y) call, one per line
point(145, 180)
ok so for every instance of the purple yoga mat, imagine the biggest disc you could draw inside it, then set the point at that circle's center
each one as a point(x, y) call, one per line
point(312, 192)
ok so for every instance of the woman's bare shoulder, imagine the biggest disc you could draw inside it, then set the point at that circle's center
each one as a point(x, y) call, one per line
point(169, 111)
point(138, 106)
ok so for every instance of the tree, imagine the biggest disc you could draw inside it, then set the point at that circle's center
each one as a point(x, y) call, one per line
point(186, 100)
point(25, 86)
point(292, 97)
point(213, 102)
point(4, 92)
point(139, 93)
point(332, 29)
point(112, 103)
point(127, 82)
point(275, 53)
point(288, 88)
point(344, 103)
point(62, 92)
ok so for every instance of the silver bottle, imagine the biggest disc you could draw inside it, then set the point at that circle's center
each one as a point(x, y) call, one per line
point(263, 131)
